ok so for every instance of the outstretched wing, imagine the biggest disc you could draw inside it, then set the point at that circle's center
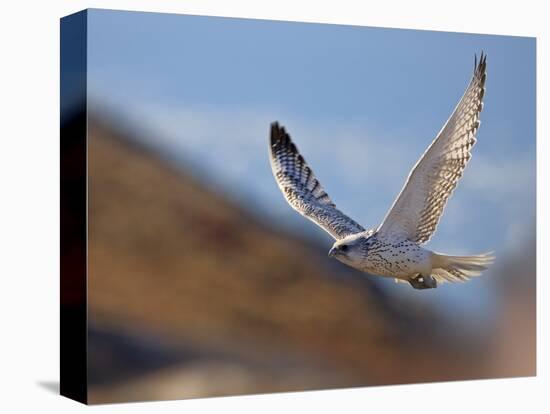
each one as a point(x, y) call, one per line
point(302, 190)
point(418, 208)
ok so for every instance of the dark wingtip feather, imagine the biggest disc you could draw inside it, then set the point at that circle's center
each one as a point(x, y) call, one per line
point(480, 67)
point(275, 128)
point(280, 138)
point(277, 132)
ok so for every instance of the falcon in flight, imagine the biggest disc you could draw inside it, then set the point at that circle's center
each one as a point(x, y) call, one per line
point(395, 249)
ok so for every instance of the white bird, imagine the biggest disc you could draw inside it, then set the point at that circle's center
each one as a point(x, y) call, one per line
point(395, 249)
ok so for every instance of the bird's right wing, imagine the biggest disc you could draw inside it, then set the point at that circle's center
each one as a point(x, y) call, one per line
point(302, 190)
point(418, 208)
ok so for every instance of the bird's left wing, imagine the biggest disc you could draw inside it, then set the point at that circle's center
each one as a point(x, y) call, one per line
point(302, 190)
point(418, 208)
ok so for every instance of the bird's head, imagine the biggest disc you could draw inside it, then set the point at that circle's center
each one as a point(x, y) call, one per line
point(351, 250)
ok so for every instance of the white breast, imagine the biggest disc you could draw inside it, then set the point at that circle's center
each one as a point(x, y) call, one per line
point(397, 258)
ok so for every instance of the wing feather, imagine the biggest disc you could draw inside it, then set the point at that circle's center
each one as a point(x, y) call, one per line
point(301, 188)
point(417, 210)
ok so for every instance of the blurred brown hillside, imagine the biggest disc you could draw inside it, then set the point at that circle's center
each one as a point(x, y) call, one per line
point(190, 296)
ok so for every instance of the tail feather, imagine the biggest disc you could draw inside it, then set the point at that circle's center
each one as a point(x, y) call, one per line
point(459, 268)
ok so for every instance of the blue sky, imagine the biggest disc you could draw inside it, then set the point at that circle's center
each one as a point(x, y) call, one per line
point(362, 104)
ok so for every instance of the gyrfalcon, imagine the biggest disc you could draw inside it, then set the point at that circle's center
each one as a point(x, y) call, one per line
point(394, 249)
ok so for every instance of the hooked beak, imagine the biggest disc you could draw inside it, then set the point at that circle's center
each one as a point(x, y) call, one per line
point(332, 252)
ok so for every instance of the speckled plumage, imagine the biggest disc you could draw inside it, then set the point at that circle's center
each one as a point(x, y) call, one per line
point(394, 248)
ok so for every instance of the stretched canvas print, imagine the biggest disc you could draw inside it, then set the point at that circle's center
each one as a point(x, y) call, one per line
point(254, 206)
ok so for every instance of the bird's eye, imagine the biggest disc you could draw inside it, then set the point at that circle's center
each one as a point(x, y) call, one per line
point(344, 247)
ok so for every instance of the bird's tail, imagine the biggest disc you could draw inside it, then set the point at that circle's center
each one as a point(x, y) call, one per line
point(459, 268)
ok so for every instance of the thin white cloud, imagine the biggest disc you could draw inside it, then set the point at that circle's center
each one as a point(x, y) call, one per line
point(363, 170)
